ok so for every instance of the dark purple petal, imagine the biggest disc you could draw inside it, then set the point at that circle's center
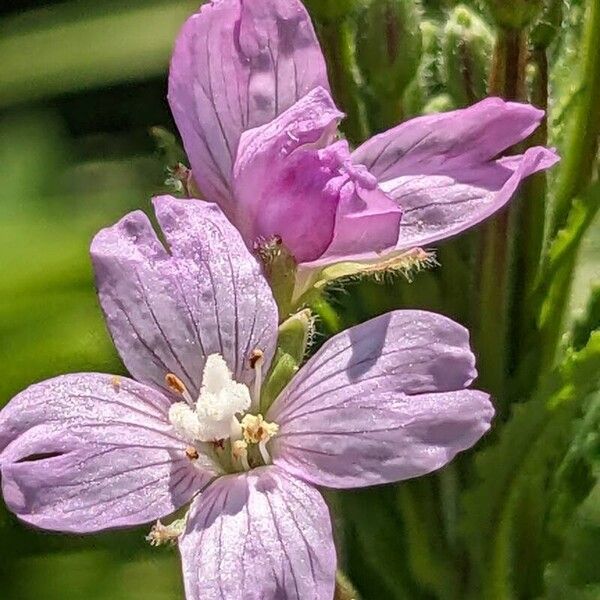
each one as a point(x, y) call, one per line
point(262, 535)
point(381, 402)
point(443, 169)
point(238, 65)
point(86, 452)
point(168, 309)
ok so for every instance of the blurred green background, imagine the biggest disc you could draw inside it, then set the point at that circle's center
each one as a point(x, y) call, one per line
point(81, 86)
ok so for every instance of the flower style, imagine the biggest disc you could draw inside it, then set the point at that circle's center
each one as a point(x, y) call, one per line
point(249, 92)
point(196, 325)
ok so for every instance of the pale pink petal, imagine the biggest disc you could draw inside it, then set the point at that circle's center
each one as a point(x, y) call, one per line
point(262, 535)
point(87, 452)
point(381, 402)
point(444, 171)
point(237, 65)
point(170, 308)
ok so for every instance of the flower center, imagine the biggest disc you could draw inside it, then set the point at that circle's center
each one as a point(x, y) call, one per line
point(223, 416)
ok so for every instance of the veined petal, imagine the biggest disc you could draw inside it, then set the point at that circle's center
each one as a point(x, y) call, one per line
point(381, 402)
point(436, 207)
point(169, 309)
point(447, 141)
point(443, 169)
point(263, 535)
point(86, 452)
point(238, 64)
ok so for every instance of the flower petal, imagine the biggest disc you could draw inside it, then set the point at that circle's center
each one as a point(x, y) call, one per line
point(263, 535)
point(436, 207)
point(169, 309)
point(367, 224)
point(381, 402)
point(291, 181)
point(237, 65)
point(87, 452)
point(442, 169)
point(280, 178)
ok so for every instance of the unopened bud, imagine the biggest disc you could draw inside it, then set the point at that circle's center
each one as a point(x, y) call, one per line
point(514, 14)
point(467, 48)
point(389, 45)
point(548, 24)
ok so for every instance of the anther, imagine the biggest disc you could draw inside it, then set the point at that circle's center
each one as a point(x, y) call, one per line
point(176, 385)
point(165, 534)
point(239, 451)
point(257, 430)
point(192, 453)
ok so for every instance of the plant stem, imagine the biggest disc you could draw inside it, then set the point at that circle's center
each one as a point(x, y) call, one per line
point(576, 174)
point(337, 39)
point(507, 79)
point(530, 220)
point(581, 146)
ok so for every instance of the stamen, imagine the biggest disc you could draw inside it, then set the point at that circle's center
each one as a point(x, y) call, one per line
point(166, 534)
point(239, 451)
point(262, 448)
point(176, 385)
point(257, 360)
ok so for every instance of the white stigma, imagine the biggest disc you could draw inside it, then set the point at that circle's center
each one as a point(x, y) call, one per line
point(220, 400)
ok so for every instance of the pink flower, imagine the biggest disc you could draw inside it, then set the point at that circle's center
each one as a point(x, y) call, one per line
point(249, 92)
point(196, 325)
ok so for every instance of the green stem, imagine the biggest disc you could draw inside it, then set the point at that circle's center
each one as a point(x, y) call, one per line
point(581, 146)
point(507, 79)
point(338, 46)
point(530, 221)
point(576, 174)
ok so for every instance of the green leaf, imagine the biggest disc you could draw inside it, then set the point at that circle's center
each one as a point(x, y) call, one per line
point(515, 478)
point(589, 321)
point(576, 516)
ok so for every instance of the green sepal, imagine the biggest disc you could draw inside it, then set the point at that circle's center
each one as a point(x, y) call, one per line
point(283, 368)
point(405, 264)
point(280, 268)
point(295, 334)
